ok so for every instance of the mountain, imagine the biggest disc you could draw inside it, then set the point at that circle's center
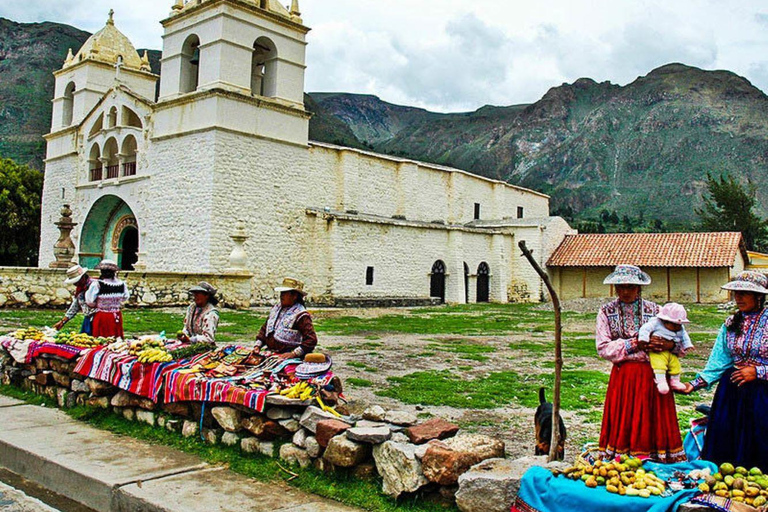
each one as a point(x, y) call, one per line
point(593, 146)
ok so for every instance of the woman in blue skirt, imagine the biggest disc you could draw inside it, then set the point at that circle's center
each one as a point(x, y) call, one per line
point(738, 424)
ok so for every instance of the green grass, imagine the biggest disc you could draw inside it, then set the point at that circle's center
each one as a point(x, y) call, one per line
point(341, 486)
point(581, 389)
point(359, 383)
point(465, 349)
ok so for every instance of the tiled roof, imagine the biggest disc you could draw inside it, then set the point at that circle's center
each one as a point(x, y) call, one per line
point(650, 250)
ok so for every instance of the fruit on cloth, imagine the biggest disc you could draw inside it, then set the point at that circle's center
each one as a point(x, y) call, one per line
point(81, 340)
point(738, 484)
point(626, 478)
point(154, 355)
point(301, 391)
point(30, 333)
point(726, 468)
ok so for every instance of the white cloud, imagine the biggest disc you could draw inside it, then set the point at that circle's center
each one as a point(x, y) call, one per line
point(458, 55)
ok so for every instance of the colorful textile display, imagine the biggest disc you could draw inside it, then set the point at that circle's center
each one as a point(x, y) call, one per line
point(125, 372)
point(541, 491)
point(24, 351)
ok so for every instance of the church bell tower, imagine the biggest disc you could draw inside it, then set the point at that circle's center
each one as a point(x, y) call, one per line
point(234, 64)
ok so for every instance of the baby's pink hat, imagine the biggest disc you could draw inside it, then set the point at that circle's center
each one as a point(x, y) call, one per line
point(673, 312)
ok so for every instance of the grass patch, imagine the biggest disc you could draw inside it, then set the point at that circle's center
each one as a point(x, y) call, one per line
point(340, 486)
point(360, 383)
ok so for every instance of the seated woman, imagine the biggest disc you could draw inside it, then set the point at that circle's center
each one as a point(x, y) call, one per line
point(288, 332)
point(738, 423)
point(107, 295)
point(202, 317)
point(79, 277)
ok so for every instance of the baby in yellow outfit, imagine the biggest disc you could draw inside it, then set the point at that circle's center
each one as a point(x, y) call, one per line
point(669, 324)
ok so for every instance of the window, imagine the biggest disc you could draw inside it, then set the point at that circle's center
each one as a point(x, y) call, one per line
point(190, 65)
point(68, 105)
point(369, 276)
point(264, 68)
point(477, 211)
point(520, 212)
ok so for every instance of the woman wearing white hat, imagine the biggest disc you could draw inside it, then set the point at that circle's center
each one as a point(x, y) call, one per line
point(79, 277)
point(637, 420)
point(107, 295)
point(202, 318)
point(737, 431)
point(288, 331)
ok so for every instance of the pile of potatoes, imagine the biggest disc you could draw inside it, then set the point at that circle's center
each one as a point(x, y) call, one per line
point(626, 477)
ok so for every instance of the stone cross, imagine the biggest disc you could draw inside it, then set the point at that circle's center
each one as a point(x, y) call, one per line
point(64, 249)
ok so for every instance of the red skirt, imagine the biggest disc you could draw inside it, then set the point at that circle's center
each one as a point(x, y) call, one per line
point(106, 325)
point(638, 420)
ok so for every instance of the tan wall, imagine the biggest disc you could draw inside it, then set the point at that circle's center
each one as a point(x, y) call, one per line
point(685, 285)
point(35, 287)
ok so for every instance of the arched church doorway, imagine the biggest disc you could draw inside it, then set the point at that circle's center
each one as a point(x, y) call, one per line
point(466, 283)
point(110, 231)
point(437, 281)
point(483, 283)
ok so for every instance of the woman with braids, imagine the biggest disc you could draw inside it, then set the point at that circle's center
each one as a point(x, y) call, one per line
point(638, 420)
point(107, 295)
point(738, 424)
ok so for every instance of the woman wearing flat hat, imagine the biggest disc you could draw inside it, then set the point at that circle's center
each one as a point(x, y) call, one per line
point(107, 295)
point(202, 317)
point(737, 431)
point(637, 420)
point(79, 277)
point(288, 331)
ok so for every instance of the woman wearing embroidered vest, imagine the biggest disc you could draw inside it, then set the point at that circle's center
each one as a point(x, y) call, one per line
point(738, 423)
point(202, 317)
point(288, 331)
point(107, 295)
point(79, 277)
point(637, 420)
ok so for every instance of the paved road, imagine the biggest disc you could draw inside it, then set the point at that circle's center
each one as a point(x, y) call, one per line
point(14, 500)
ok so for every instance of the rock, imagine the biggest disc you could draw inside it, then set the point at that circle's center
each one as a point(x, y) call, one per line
point(230, 439)
point(300, 437)
point(493, 484)
point(312, 416)
point(82, 399)
point(99, 388)
point(445, 461)
point(196, 410)
point(147, 417)
point(399, 437)
point(421, 450)
point(129, 414)
point(374, 413)
point(399, 468)
point(101, 402)
point(61, 397)
point(402, 418)
point(370, 424)
point(313, 447)
point(20, 297)
point(365, 471)
point(41, 364)
point(328, 429)
point(291, 425)
point(436, 428)
point(341, 452)
point(125, 399)
point(267, 448)
point(162, 420)
point(294, 455)
point(264, 429)
point(71, 400)
point(212, 435)
point(176, 409)
point(230, 419)
point(369, 435)
point(62, 380)
point(279, 413)
point(323, 466)
point(44, 378)
point(173, 425)
point(250, 445)
point(79, 386)
point(189, 429)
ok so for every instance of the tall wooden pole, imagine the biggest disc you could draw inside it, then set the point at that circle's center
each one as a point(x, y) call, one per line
point(555, 442)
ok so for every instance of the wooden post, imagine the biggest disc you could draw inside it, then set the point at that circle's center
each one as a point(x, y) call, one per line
point(555, 442)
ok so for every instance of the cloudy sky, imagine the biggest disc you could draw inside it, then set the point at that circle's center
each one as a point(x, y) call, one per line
point(454, 55)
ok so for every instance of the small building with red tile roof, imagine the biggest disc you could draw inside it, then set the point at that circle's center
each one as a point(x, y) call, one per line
point(684, 267)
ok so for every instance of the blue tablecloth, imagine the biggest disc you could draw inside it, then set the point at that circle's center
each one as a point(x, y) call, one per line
point(540, 491)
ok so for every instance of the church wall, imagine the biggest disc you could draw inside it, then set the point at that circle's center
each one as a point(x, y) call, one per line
point(58, 189)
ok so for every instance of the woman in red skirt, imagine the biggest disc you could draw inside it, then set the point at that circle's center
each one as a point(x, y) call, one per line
point(107, 295)
point(638, 420)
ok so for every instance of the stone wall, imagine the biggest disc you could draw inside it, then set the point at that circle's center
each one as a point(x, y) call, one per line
point(34, 287)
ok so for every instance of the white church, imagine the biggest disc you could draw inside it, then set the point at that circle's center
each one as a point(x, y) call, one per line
point(162, 171)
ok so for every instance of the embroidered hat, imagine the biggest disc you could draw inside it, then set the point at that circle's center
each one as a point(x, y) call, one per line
point(749, 281)
point(628, 274)
point(291, 285)
point(306, 371)
point(673, 312)
point(204, 287)
point(107, 265)
point(74, 274)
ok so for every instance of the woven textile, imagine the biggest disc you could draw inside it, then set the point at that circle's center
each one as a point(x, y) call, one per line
point(25, 351)
point(193, 388)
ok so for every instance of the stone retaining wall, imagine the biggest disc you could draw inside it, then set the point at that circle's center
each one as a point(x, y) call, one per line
point(45, 288)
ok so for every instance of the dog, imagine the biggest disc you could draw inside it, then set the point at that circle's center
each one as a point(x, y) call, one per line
point(543, 424)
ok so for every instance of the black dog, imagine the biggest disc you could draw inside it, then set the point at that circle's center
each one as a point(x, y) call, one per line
point(543, 422)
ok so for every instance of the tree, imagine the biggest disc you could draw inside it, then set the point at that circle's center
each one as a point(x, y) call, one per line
point(729, 206)
point(20, 195)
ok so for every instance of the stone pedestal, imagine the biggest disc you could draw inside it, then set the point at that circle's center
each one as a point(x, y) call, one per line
point(238, 259)
point(64, 249)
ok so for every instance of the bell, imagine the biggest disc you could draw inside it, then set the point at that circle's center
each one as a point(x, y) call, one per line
point(195, 60)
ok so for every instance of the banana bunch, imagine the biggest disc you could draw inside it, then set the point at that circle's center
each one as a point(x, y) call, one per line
point(135, 347)
point(30, 333)
point(154, 355)
point(301, 391)
point(119, 347)
point(80, 340)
